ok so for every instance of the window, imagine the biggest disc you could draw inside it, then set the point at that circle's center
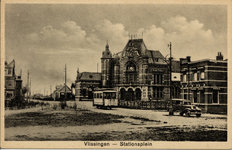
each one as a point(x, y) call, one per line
point(100, 95)
point(9, 71)
point(195, 76)
point(113, 95)
point(198, 76)
point(131, 78)
point(184, 78)
point(157, 92)
point(185, 96)
point(158, 78)
point(84, 92)
point(177, 102)
point(202, 75)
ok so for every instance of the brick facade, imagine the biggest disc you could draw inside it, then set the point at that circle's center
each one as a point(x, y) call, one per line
point(204, 82)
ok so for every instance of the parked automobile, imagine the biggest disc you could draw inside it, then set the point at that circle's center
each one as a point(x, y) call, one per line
point(184, 106)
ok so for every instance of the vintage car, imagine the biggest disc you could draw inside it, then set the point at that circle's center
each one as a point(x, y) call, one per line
point(185, 107)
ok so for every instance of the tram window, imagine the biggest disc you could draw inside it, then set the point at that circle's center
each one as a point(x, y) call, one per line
point(177, 102)
point(95, 95)
point(104, 94)
point(108, 95)
point(113, 95)
point(100, 95)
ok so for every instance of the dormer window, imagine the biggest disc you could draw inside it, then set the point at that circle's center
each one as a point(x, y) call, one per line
point(9, 71)
point(90, 76)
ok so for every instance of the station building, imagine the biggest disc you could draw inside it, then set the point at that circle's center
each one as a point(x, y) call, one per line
point(136, 73)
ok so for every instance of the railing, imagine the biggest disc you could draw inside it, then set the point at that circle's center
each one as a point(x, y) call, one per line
point(144, 104)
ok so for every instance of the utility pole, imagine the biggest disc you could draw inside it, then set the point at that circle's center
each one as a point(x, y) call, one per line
point(170, 71)
point(65, 96)
point(51, 90)
point(30, 89)
point(27, 85)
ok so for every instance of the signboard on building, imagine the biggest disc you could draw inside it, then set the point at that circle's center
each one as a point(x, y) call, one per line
point(175, 76)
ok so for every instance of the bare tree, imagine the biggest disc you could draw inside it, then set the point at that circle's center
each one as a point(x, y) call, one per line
point(25, 89)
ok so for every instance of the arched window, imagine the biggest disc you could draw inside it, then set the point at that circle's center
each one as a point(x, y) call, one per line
point(122, 92)
point(138, 94)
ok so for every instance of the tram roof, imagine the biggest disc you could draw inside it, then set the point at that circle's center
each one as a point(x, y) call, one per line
point(105, 90)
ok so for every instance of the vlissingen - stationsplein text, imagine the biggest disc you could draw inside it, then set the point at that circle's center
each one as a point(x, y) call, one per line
point(103, 144)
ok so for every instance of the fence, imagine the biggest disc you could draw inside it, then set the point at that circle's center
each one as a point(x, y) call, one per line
point(144, 104)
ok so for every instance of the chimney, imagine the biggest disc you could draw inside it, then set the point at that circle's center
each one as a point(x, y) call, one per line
point(188, 58)
point(219, 56)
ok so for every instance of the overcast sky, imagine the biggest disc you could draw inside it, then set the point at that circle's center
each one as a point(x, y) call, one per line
point(42, 38)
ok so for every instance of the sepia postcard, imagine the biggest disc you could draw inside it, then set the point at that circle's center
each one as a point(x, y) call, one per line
point(118, 74)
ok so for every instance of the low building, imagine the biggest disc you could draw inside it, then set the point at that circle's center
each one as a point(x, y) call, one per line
point(13, 83)
point(59, 93)
point(204, 82)
point(85, 83)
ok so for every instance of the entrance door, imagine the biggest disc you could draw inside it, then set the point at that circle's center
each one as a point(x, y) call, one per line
point(215, 96)
point(130, 95)
point(138, 94)
point(90, 94)
point(122, 94)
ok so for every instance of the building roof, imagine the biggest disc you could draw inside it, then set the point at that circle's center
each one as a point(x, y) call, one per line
point(138, 47)
point(61, 88)
point(210, 60)
point(106, 53)
point(154, 56)
point(90, 76)
point(11, 64)
point(68, 90)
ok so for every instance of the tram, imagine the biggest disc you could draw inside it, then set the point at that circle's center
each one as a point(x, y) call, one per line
point(105, 99)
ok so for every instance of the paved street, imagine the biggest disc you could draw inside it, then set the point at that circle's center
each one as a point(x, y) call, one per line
point(162, 115)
